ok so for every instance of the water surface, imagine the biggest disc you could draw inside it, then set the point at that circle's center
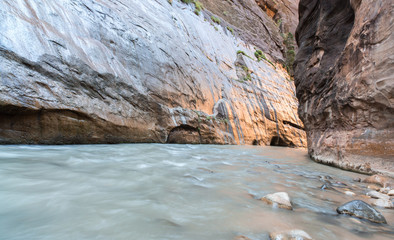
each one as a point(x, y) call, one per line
point(154, 191)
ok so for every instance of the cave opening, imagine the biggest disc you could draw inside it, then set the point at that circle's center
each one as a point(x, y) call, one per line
point(278, 141)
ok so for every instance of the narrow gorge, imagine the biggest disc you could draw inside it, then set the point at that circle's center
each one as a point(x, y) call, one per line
point(196, 119)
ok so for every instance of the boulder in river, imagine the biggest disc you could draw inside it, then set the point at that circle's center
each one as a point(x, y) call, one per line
point(363, 210)
point(290, 235)
point(280, 199)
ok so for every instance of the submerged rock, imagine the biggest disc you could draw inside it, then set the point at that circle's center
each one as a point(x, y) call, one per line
point(280, 199)
point(290, 235)
point(360, 209)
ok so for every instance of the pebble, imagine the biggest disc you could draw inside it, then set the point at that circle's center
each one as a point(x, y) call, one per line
point(360, 209)
point(280, 199)
point(391, 192)
point(290, 235)
point(350, 193)
point(326, 186)
point(357, 179)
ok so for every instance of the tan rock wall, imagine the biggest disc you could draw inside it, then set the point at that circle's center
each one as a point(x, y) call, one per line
point(345, 82)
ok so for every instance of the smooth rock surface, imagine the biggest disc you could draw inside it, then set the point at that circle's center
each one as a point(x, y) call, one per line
point(360, 209)
point(83, 71)
point(344, 73)
point(280, 199)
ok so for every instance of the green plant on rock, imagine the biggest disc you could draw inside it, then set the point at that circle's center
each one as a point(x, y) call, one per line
point(215, 19)
point(230, 29)
point(260, 55)
point(197, 4)
point(290, 53)
point(243, 53)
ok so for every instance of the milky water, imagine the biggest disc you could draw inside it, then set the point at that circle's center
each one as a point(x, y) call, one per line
point(154, 191)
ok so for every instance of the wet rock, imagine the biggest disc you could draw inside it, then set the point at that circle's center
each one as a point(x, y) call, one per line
point(360, 209)
point(241, 238)
point(383, 203)
point(325, 178)
point(378, 180)
point(384, 190)
point(377, 195)
point(280, 199)
point(290, 235)
point(350, 193)
point(357, 179)
point(339, 184)
point(326, 186)
point(373, 187)
point(344, 76)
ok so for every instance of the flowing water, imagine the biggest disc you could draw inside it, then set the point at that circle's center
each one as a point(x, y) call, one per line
point(154, 191)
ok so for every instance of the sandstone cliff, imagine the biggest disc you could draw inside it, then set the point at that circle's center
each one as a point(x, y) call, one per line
point(83, 71)
point(345, 82)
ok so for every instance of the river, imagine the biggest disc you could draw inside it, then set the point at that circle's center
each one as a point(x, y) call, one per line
point(156, 191)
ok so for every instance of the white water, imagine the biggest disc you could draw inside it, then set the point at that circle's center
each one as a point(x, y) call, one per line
point(153, 191)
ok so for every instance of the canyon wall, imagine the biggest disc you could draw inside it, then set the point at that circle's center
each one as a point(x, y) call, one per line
point(344, 76)
point(113, 71)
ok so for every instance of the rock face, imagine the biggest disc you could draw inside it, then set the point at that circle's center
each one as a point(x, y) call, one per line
point(84, 71)
point(344, 74)
point(284, 12)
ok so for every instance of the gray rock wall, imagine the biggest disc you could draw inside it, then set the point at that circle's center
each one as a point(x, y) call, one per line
point(83, 71)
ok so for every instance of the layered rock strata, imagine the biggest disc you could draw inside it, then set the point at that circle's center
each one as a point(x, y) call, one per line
point(82, 71)
point(345, 82)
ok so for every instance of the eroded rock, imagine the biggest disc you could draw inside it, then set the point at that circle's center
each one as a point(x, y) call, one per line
point(360, 209)
point(77, 71)
point(344, 73)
